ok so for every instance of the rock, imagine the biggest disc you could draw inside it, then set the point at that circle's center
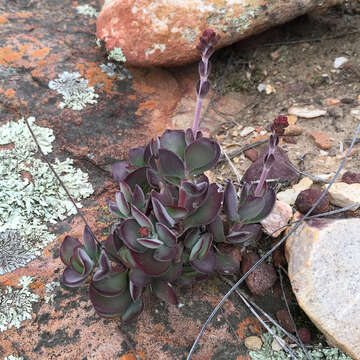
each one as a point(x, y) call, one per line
point(355, 113)
point(251, 154)
point(323, 257)
point(350, 177)
point(253, 343)
point(289, 139)
point(278, 257)
point(275, 345)
point(340, 61)
point(332, 101)
point(336, 112)
point(305, 335)
point(342, 194)
point(289, 196)
point(274, 224)
point(307, 198)
point(261, 87)
point(307, 112)
point(321, 139)
point(247, 131)
point(164, 33)
point(293, 130)
point(285, 320)
point(262, 278)
point(292, 119)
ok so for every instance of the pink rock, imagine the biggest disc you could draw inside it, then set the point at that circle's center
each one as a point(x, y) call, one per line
point(307, 198)
point(165, 33)
point(274, 223)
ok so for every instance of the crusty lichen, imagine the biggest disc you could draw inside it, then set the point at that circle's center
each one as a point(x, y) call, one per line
point(30, 194)
point(319, 352)
point(12, 357)
point(111, 70)
point(117, 55)
point(87, 10)
point(75, 91)
point(50, 289)
point(16, 304)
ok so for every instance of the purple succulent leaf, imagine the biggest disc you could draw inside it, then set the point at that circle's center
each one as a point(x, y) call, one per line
point(209, 209)
point(201, 155)
point(125, 189)
point(147, 264)
point(173, 273)
point(202, 246)
point(176, 212)
point(179, 252)
point(114, 283)
point(90, 244)
point(136, 156)
point(104, 267)
point(231, 203)
point(150, 243)
point(138, 198)
point(189, 136)
point(114, 208)
point(195, 189)
point(138, 278)
point(170, 164)
point(191, 238)
point(72, 278)
point(109, 306)
point(147, 154)
point(126, 257)
point(120, 170)
point(135, 291)
point(206, 265)
point(244, 234)
point(112, 245)
point(165, 253)
point(133, 311)
point(166, 235)
point(217, 229)
point(226, 265)
point(202, 89)
point(67, 249)
point(129, 232)
point(161, 214)
point(122, 204)
point(136, 177)
point(154, 146)
point(141, 218)
point(152, 178)
point(174, 140)
point(165, 291)
point(75, 263)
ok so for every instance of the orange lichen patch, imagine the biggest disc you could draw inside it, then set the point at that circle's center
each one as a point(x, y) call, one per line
point(3, 19)
point(40, 52)
point(10, 93)
point(24, 47)
point(24, 15)
point(37, 285)
point(133, 97)
point(243, 357)
point(147, 105)
point(131, 356)
point(251, 325)
point(8, 55)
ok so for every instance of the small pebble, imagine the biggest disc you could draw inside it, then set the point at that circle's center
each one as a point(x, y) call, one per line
point(307, 112)
point(355, 113)
point(293, 130)
point(332, 101)
point(340, 61)
point(247, 131)
point(292, 119)
point(307, 198)
point(285, 320)
point(321, 139)
point(289, 139)
point(350, 177)
point(253, 343)
point(305, 335)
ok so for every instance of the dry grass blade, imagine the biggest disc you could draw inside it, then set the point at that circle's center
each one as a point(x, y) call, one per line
point(220, 304)
point(233, 168)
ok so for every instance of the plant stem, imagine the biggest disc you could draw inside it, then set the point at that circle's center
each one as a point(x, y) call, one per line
point(197, 114)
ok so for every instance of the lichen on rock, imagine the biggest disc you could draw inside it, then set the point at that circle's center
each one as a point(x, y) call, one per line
point(74, 89)
point(111, 70)
point(16, 304)
point(87, 10)
point(30, 194)
point(117, 55)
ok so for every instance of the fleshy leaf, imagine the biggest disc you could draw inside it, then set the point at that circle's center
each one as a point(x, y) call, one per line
point(129, 232)
point(119, 170)
point(122, 204)
point(126, 257)
point(114, 208)
point(133, 310)
point(112, 284)
point(104, 267)
point(174, 140)
point(109, 306)
point(164, 291)
point(150, 243)
point(67, 248)
point(161, 214)
point(165, 253)
point(170, 164)
point(201, 155)
point(112, 245)
point(139, 278)
point(217, 229)
point(231, 203)
point(138, 198)
point(166, 235)
point(202, 247)
point(226, 265)
point(209, 209)
point(189, 136)
point(141, 218)
point(191, 238)
point(136, 177)
point(195, 189)
point(126, 190)
point(135, 291)
point(173, 273)
point(152, 178)
point(206, 265)
point(244, 234)
point(90, 244)
point(147, 264)
point(136, 156)
point(176, 212)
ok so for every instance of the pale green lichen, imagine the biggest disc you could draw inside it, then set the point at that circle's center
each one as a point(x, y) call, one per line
point(98, 42)
point(12, 357)
point(117, 55)
point(50, 289)
point(87, 10)
point(111, 70)
point(30, 195)
point(318, 353)
point(75, 91)
point(16, 304)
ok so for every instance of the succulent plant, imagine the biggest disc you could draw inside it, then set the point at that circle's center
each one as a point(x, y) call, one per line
point(169, 218)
